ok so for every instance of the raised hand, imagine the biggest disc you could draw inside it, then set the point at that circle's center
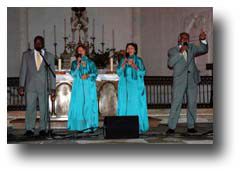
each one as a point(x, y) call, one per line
point(130, 61)
point(203, 35)
point(78, 65)
point(132, 64)
point(124, 63)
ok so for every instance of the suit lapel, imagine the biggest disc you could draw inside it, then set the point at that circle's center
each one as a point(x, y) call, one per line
point(189, 56)
point(33, 62)
point(43, 64)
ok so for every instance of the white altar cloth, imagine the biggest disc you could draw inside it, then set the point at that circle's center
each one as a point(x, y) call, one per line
point(100, 77)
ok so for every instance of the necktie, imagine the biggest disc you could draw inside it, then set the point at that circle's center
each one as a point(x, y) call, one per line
point(38, 60)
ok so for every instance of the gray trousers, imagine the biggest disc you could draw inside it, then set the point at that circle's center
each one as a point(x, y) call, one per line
point(31, 112)
point(179, 89)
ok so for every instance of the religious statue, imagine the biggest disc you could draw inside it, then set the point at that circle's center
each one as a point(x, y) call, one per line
point(79, 22)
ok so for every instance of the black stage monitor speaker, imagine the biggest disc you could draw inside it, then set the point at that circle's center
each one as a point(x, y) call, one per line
point(120, 127)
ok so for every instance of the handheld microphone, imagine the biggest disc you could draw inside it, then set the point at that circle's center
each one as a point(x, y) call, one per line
point(185, 43)
point(41, 51)
point(127, 55)
point(78, 55)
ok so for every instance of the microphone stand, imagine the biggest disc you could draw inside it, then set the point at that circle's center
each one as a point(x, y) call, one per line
point(48, 68)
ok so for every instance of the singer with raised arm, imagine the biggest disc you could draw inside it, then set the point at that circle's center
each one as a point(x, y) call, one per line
point(83, 109)
point(131, 87)
point(181, 59)
point(33, 84)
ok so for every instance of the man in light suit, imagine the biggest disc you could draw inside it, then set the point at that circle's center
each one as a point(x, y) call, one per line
point(33, 84)
point(185, 79)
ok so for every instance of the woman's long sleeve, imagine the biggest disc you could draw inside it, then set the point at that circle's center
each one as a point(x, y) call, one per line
point(120, 70)
point(141, 71)
point(74, 70)
point(93, 71)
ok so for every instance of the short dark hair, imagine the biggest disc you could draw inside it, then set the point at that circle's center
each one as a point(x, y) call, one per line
point(39, 38)
point(82, 46)
point(184, 33)
point(134, 45)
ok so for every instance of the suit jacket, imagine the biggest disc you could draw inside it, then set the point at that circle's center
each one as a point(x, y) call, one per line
point(30, 78)
point(181, 67)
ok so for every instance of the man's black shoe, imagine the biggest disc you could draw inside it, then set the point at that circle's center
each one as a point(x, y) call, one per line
point(170, 132)
point(42, 133)
point(192, 130)
point(29, 133)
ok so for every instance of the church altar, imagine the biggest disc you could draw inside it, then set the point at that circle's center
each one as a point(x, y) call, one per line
point(105, 57)
point(106, 91)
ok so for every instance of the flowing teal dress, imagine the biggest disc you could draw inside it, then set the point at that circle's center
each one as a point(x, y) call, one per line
point(83, 109)
point(132, 92)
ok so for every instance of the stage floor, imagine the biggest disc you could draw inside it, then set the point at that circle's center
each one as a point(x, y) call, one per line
point(155, 135)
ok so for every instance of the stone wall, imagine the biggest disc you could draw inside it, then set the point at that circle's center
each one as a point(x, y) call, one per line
point(154, 29)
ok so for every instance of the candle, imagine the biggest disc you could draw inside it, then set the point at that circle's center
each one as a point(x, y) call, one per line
point(93, 31)
point(65, 27)
point(59, 64)
point(111, 64)
point(113, 39)
point(54, 33)
point(103, 33)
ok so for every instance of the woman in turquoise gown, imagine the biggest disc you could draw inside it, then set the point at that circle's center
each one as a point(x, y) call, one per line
point(83, 109)
point(131, 88)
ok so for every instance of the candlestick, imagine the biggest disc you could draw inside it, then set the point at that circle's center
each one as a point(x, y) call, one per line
point(102, 47)
point(103, 33)
point(54, 33)
point(113, 39)
point(93, 44)
point(65, 27)
point(93, 31)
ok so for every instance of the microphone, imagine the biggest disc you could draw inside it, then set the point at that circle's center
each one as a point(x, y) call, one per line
point(185, 44)
point(127, 55)
point(41, 51)
point(78, 55)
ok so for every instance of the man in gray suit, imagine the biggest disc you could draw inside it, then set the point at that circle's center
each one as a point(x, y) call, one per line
point(185, 79)
point(33, 84)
